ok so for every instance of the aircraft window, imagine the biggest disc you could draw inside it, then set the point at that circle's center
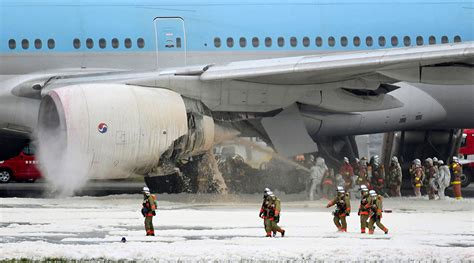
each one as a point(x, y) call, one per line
point(76, 43)
point(394, 41)
point(102, 43)
point(281, 41)
point(331, 41)
point(457, 39)
point(255, 42)
point(407, 41)
point(306, 41)
point(419, 40)
point(382, 41)
point(243, 42)
point(293, 41)
point(38, 44)
point(12, 43)
point(268, 41)
point(432, 40)
point(444, 40)
point(319, 41)
point(51, 43)
point(89, 43)
point(217, 42)
point(25, 44)
point(141, 42)
point(344, 41)
point(356, 41)
point(115, 43)
point(230, 42)
point(178, 43)
point(128, 43)
point(369, 41)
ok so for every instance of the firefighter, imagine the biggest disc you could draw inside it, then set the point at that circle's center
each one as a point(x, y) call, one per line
point(148, 210)
point(431, 176)
point(355, 168)
point(444, 179)
point(317, 173)
point(363, 178)
point(395, 177)
point(456, 171)
point(375, 212)
point(364, 208)
point(271, 215)
point(263, 210)
point(343, 209)
point(347, 173)
point(416, 170)
point(377, 172)
point(328, 181)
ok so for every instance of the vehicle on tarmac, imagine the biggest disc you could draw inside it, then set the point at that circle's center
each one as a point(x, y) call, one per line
point(21, 168)
point(467, 160)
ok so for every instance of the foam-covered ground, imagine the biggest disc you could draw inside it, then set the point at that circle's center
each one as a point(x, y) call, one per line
point(206, 227)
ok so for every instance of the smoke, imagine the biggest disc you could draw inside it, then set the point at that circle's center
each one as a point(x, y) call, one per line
point(274, 154)
point(63, 162)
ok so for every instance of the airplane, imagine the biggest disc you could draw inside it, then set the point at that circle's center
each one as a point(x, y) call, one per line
point(138, 85)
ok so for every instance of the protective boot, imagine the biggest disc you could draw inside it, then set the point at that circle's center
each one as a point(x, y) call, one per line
point(269, 234)
point(362, 230)
point(371, 231)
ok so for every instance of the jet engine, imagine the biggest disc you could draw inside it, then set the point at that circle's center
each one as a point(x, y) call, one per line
point(110, 130)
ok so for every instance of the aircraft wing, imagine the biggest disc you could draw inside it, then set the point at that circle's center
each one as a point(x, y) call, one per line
point(414, 64)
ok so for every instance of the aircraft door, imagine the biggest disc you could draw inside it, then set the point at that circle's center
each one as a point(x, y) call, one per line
point(170, 36)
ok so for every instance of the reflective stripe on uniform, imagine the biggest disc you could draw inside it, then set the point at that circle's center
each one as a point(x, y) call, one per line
point(456, 182)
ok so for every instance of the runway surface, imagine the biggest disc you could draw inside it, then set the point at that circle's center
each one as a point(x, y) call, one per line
point(209, 227)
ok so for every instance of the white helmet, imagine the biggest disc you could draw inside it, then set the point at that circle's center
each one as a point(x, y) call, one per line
point(346, 160)
point(429, 161)
point(267, 190)
point(146, 190)
point(340, 189)
point(364, 188)
point(417, 161)
point(435, 160)
point(440, 162)
point(372, 193)
point(395, 159)
point(455, 159)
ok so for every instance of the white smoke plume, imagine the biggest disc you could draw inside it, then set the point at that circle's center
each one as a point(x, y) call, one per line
point(65, 167)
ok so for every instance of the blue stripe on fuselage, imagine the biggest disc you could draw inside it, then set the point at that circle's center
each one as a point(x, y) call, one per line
point(66, 20)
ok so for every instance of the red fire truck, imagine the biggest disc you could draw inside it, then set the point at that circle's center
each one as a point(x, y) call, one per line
point(21, 168)
point(467, 160)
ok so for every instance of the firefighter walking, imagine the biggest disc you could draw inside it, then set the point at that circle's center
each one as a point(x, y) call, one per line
point(364, 208)
point(270, 213)
point(148, 210)
point(343, 208)
point(376, 208)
